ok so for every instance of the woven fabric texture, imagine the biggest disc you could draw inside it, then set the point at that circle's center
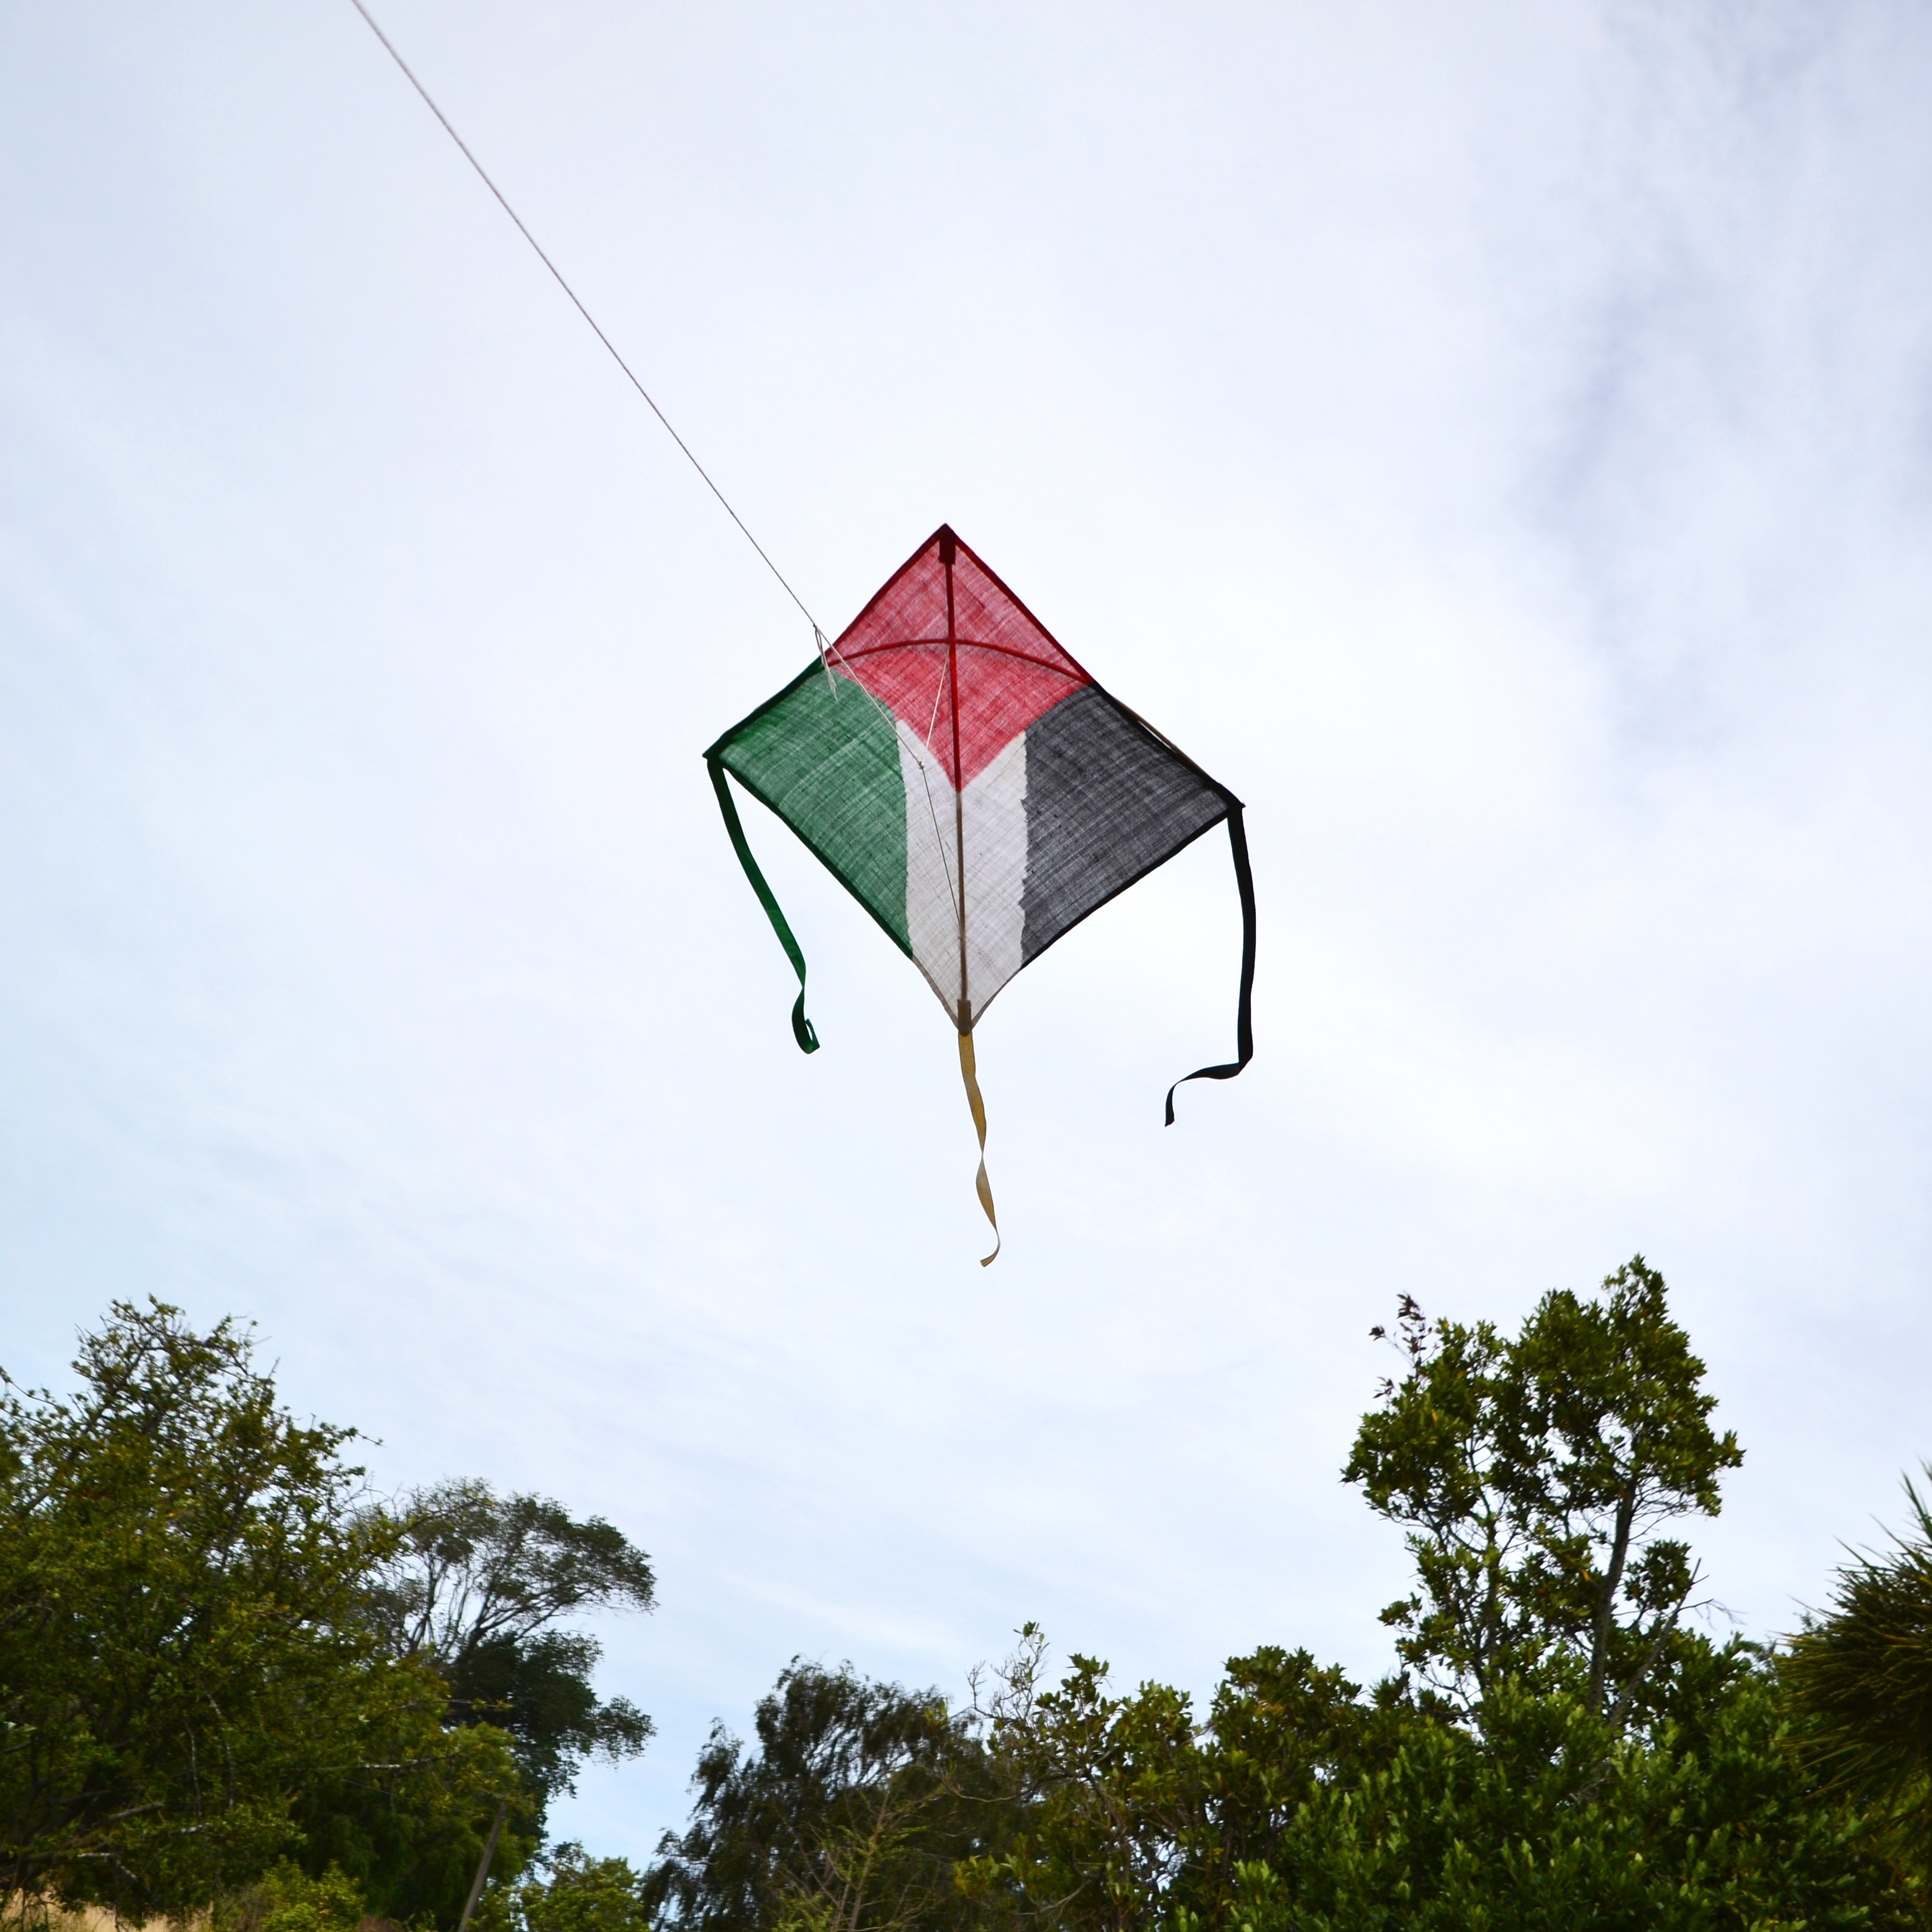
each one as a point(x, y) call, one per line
point(965, 779)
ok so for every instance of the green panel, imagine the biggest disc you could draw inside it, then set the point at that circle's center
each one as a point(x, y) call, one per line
point(824, 756)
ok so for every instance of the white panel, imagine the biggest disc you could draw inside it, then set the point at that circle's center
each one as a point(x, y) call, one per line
point(932, 907)
point(994, 823)
point(996, 858)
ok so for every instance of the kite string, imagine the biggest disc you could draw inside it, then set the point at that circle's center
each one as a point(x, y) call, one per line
point(828, 650)
point(939, 840)
point(483, 174)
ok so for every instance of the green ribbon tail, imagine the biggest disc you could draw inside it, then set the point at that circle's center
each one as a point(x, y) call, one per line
point(803, 1029)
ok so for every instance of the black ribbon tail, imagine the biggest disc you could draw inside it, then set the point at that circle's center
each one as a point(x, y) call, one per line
point(1244, 1021)
point(802, 1031)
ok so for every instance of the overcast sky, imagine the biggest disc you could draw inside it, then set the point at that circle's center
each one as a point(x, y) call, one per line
point(1494, 440)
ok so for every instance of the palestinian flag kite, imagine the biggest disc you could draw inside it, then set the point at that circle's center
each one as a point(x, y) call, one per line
point(974, 788)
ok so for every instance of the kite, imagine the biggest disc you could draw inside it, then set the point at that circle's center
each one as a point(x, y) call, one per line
point(974, 789)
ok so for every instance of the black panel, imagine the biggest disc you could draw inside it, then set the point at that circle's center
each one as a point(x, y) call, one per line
point(1106, 802)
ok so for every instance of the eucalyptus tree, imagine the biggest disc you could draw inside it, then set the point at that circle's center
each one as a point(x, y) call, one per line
point(476, 1585)
point(850, 1814)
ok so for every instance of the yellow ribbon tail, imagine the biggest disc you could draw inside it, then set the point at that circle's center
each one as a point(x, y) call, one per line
point(981, 1186)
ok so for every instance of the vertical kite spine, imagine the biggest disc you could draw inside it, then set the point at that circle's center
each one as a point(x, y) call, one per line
point(947, 550)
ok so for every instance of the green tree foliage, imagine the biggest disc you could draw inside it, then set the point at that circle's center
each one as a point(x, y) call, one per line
point(223, 1679)
point(1560, 1754)
point(408, 1826)
point(190, 1687)
point(1533, 1473)
point(1123, 1807)
point(1550, 1822)
point(473, 1584)
point(571, 1892)
point(1300, 1807)
point(1862, 1675)
point(286, 1898)
point(850, 1816)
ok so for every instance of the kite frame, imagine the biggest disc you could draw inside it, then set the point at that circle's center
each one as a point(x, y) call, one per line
point(1231, 815)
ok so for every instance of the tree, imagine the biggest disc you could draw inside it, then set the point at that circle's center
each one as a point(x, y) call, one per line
point(1560, 1753)
point(1124, 1812)
point(1534, 1475)
point(850, 1816)
point(286, 1898)
point(1300, 1807)
point(1548, 1821)
point(1862, 1675)
point(574, 1893)
point(472, 1583)
point(1572, 1758)
point(1107, 1793)
point(405, 1816)
point(184, 1659)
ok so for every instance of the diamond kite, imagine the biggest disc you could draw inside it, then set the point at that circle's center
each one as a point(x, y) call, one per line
point(974, 789)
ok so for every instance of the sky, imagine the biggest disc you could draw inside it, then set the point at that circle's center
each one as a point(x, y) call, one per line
point(1495, 441)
